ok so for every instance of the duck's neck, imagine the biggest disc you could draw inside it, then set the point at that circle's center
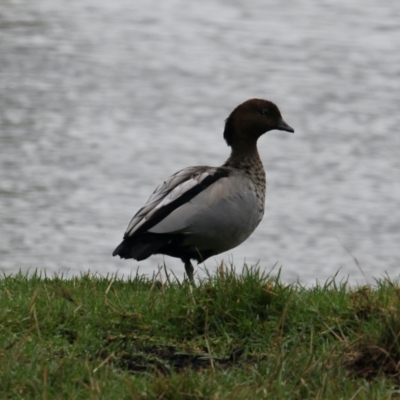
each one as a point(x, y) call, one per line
point(245, 157)
point(250, 163)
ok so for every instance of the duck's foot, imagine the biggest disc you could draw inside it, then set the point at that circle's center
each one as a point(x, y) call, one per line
point(189, 270)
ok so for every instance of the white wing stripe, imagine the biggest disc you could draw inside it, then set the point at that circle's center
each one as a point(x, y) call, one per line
point(177, 192)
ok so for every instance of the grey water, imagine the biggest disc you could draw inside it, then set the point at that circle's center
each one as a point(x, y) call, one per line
point(102, 100)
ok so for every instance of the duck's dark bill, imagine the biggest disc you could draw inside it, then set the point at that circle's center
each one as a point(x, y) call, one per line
point(283, 126)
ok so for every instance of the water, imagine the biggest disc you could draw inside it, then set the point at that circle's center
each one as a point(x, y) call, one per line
point(100, 101)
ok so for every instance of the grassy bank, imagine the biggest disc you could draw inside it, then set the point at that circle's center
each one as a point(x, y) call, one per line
point(234, 337)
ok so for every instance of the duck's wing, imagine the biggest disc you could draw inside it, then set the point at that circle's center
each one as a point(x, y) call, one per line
point(177, 190)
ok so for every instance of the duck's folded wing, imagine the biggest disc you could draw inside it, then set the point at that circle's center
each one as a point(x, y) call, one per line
point(177, 190)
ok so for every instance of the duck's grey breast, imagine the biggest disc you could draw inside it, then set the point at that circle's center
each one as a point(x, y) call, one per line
point(219, 218)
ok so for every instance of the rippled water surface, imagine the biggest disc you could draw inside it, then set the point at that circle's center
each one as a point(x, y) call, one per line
point(100, 101)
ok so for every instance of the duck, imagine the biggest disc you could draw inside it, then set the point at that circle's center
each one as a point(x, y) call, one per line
point(202, 211)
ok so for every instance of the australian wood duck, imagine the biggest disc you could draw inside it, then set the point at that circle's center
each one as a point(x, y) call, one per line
point(202, 211)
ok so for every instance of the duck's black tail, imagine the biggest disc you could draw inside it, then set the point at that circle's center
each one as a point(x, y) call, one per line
point(140, 247)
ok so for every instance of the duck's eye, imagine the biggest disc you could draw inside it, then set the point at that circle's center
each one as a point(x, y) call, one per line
point(263, 111)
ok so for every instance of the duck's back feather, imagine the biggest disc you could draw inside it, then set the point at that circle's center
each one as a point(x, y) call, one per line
point(177, 190)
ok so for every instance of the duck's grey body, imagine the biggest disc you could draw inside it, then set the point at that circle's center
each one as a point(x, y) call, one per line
point(202, 211)
point(220, 212)
point(219, 218)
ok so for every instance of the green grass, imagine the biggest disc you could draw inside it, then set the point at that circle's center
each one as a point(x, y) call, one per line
point(230, 336)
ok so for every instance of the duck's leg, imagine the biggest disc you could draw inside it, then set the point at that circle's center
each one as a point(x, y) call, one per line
point(189, 269)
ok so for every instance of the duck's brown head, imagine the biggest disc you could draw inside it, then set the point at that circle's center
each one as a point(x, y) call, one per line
point(250, 120)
